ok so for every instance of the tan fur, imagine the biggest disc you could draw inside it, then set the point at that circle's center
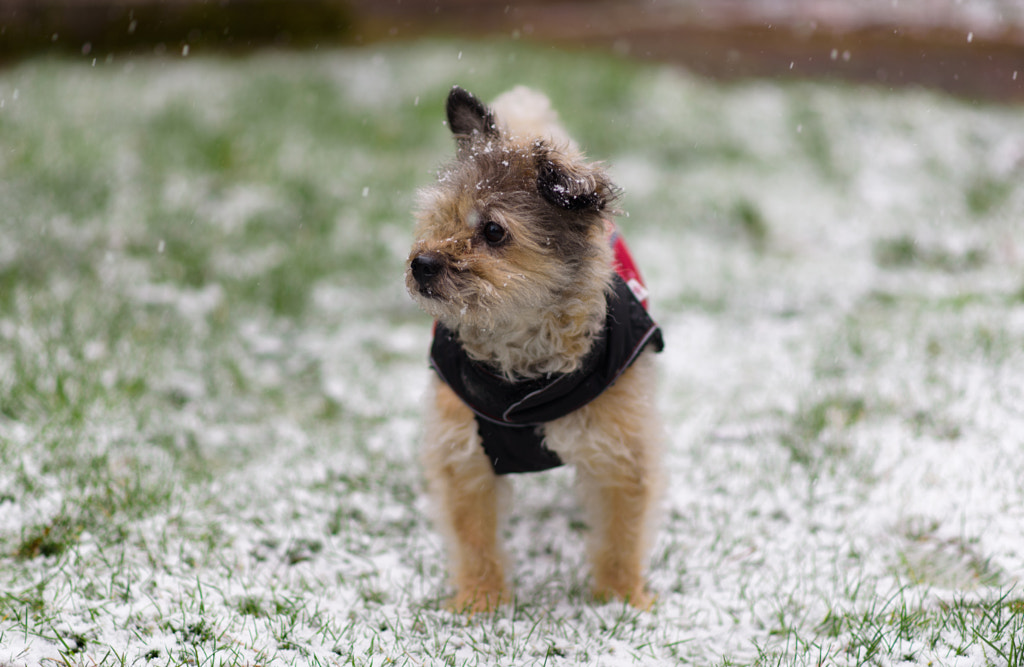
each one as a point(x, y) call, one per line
point(469, 495)
point(615, 444)
point(528, 306)
point(528, 114)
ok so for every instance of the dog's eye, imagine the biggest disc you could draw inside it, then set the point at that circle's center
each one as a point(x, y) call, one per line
point(493, 233)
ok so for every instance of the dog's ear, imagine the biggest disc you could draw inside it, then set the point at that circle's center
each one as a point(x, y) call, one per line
point(573, 187)
point(467, 115)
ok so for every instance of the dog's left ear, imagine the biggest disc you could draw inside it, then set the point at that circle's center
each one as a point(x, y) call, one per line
point(468, 116)
point(573, 187)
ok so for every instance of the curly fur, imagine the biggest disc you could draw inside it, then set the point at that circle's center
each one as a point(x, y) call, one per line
point(512, 254)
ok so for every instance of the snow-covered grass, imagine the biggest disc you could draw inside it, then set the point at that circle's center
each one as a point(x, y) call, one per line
point(210, 373)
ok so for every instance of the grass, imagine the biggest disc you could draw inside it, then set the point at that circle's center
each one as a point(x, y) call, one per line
point(210, 374)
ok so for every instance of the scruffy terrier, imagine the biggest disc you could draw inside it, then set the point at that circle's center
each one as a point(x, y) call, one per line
point(542, 344)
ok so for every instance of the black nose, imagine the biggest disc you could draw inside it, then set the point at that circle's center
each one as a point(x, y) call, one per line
point(425, 267)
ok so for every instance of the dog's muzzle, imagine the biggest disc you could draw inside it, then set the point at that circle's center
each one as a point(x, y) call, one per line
point(426, 268)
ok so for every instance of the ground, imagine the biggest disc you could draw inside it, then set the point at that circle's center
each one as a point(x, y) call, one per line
point(211, 375)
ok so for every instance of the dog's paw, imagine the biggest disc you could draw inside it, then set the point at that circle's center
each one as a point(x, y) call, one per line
point(638, 598)
point(478, 601)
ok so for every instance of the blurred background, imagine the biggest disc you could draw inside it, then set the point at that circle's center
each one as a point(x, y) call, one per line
point(211, 375)
point(971, 48)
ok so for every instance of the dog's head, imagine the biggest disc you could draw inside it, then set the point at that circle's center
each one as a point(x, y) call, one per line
point(514, 226)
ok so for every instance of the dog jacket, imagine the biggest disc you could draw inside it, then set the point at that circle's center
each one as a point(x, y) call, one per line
point(510, 415)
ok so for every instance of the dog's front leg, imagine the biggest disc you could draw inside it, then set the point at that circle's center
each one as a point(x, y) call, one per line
point(615, 444)
point(468, 494)
point(619, 506)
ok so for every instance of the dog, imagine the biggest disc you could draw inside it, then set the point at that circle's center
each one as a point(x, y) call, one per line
point(542, 350)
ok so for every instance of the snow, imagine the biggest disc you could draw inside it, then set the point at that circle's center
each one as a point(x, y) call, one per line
point(844, 420)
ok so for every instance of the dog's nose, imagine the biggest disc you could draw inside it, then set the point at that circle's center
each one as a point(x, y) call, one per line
point(425, 267)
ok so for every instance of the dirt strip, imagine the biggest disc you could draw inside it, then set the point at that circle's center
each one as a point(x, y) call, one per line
point(937, 44)
point(930, 44)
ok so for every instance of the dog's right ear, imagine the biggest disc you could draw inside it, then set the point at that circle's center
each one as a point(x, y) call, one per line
point(468, 116)
point(571, 187)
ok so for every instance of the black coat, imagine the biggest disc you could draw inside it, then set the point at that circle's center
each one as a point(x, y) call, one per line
point(510, 415)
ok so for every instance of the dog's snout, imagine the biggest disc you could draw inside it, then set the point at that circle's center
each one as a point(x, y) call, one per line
point(425, 267)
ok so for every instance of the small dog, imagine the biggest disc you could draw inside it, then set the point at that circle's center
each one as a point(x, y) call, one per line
point(542, 344)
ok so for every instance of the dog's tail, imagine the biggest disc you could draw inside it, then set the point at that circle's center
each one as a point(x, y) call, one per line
point(526, 113)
